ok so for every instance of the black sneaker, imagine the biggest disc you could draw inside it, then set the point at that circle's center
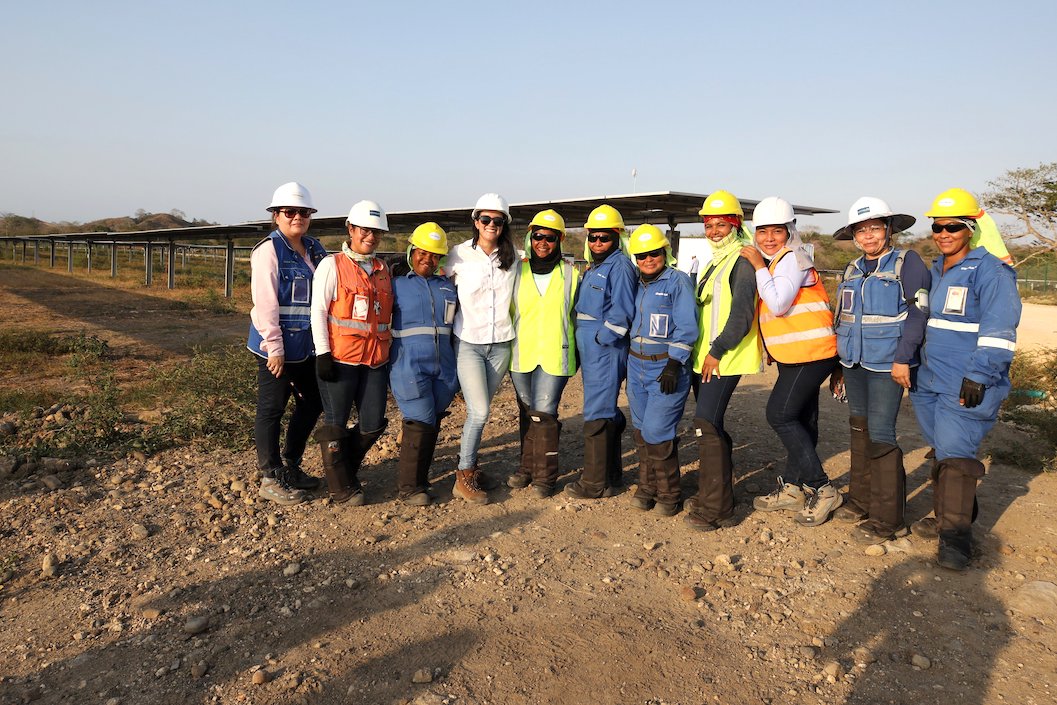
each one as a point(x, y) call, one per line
point(295, 477)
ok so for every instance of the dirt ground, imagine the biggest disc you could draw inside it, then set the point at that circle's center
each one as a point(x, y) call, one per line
point(172, 583)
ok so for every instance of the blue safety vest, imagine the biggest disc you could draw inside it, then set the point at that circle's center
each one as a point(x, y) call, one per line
point(423, 314)
point(295, 297)
point(871, 313)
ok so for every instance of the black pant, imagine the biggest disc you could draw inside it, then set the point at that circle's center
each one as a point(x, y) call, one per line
point(792, 411)
point(713, 398)
point(273, 393)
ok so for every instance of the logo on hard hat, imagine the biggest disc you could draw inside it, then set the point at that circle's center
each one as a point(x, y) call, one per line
point(548, 217)
point(863, 211)
point(600, 216)
point(945, 202)
point(645, 236)
point(376, 214)
point(434, 235)
point(717, 203)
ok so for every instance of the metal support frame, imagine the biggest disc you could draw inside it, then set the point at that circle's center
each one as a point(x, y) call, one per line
point(88, 255)
point(69, 257)
point(172, 265)
point(229, 268)
point(51, 253)
point(113, 260)
point(36, 252)
point(673, 235)
point(148, 264)
point(23, 252)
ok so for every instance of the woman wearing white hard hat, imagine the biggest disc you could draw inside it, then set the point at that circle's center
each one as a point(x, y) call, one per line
point(797, 328)
point(422, 371)
point(483, 270)
point(352, 306)
point(282, 267)
point(881, 314)
point(544, 353)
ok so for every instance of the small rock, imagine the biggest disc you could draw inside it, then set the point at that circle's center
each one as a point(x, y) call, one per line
point(139, 532)
point(876, 549)
point(113, 701)
point(833, 670)
point(1006, 550)
point(8, 429)
point(196, 625)
point(766, 536)
point(292, 569)
point(1036, 599)
point(900, 545)
point(809, 652)
point(199, 669)
point(54, 465)
point(723, 560)
point(688, 593)
point(422, 675)
point(238, 486)
point(151, 612)
point(52, 482)
point(139, 455)
point(921, 662)
point(862, 655)
point(261, 677)
point(49, 566)
point(651, 545)
point(462, 556)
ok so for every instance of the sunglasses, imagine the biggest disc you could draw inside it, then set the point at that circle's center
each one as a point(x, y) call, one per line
point(655, 253)
point(599, 238)
point(489, 219)
point(540, 237)
point(369, 231)
point(292, 212)
point(949, 227)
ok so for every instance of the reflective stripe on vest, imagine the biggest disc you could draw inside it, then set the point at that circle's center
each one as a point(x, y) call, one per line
point(422, 330)
point(805, 332)
point(567, 362)
point(642, 340)
point(364, 339)
point(960, 326)
point(747, 356)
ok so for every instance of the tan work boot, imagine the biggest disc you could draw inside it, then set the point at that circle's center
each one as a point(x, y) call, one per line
point(466, 487)
point(786, 496)
point(819, 505)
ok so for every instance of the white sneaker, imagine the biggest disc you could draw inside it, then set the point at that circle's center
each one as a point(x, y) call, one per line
point(785, 497)
point(819, 505)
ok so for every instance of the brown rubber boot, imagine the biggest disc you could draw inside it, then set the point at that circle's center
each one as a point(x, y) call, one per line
point(523, 476)
point(341, 485)
point(546, 431)
point(466, 487)
point(416, 454)
point(714, 502)
point(888, 496)
point(664, 459)
point(592, 482)
point(614, 453)
point(645, 496)
point(856, 505)
point(957, 487)
point(928, 527)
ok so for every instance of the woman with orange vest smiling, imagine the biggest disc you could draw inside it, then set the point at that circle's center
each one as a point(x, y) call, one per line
point(352, 310)
point(797, 328)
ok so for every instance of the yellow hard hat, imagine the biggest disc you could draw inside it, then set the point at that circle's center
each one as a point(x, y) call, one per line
point(722, 203)
point(646, 238)
point(431, 238)
point(548, 219)
point(605, 217)
point(955, 203)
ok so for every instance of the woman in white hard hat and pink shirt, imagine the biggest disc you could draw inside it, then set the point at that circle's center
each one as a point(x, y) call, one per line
point(483, 271)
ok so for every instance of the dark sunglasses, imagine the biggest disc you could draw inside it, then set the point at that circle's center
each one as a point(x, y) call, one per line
point(499, 220)
point(602, 237)
point(654, 253)
point(291, 212)
point(540, 237)
point(949, 227)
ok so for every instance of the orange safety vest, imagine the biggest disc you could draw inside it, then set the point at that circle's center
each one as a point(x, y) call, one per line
point(359, 320)
point(804, 333)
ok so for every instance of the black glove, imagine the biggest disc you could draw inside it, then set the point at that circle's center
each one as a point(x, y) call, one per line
point(325, 369)
point(971, 393)
point(669, 378)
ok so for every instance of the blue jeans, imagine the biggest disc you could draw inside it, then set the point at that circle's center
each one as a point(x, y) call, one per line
point(792, 411)
point(876, 396)
point(481, 370)
point(538, 390)
point(360, 385)
point(298, 380)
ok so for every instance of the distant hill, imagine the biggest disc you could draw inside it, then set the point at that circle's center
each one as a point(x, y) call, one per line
point(12, 224)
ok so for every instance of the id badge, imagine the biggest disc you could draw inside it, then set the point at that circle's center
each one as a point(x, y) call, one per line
point(658, 325)
point(359, 308)
point(847, 300)
point(955, 303)
point(449, 312)
point(302, 291)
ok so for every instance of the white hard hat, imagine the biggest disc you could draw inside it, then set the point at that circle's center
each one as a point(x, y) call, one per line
point(368, 214)
point(294, 195)
point(492, 202)
point(868, 208)
point(772, 211)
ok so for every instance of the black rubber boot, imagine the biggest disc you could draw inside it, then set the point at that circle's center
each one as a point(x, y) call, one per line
point(355, 447)
point(664, 459)
point(645, 496)
point(545, 432)
point(614, 453)
point(341, 484)
point(523, 476)
point(416, 452)
point(592, 482)
point(957, 488)
point(714, 502)
point(857, 501)
point(888, 496)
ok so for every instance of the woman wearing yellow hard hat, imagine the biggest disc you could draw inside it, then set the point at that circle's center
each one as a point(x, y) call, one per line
point(881, 314)
point(797, 328)
point(543, 357)
point(663, 333)
point(422, 370)
point(727, 348)
point(282, 267)
point(974, 310)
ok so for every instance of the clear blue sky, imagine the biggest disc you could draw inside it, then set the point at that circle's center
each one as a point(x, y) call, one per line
point(207, 107)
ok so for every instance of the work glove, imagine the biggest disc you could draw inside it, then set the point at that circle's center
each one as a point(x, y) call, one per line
point(669, 378)
point(325, 369)
point(971, 393)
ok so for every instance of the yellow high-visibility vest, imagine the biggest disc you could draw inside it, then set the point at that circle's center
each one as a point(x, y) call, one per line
point(714, 300)
point(543, 323)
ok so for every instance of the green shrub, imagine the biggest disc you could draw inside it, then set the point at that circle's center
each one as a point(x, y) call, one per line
point(1032, 406)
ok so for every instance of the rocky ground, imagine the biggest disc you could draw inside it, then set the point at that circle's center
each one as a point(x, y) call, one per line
point(165, 579)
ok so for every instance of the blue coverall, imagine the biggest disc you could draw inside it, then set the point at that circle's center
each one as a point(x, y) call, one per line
point(665, 326)
point(605, 307)
point(422, 372)
point(974, 310)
